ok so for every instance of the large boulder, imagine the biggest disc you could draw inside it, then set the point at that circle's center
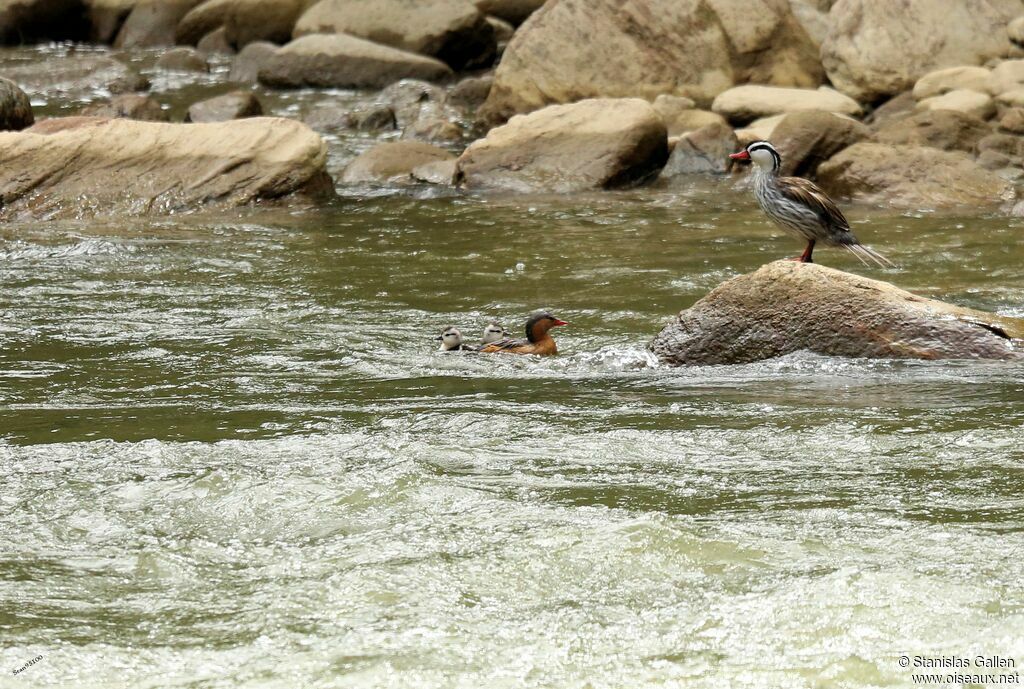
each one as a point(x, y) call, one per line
point(453, 31)
point(787, 307)
point(807, 139)
point(912, 177)
point(593, 144)
point(30, 21)
point(80, 166)
point(945, 129)
point(342, 61)
point(392, 162)
point(878, 48)
point(574, 49)
point(153, 23)
point(244, 21)
point(743, 104)
point(15, 107)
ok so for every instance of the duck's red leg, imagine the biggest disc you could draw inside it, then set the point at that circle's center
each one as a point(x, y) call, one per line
point(805, 257)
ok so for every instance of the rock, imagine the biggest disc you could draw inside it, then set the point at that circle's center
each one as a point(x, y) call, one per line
point(74, 76)
point(1012, 99)
point(974, 103)
point(786, 307)
point(503, 31)
point(812, 19)
point(153, 23)
point(896, 108)
point(32, 21)
point(231, 106)
point(592, 144)
point(1002, 143)
point(434, 129)
point(436, 172)
point(1008, 76)
point(392, 162)
point(325, 117)
point(244, 21)
point(994, 160)
point(878, 48)
point(471, 92)
point(943, 81)
point(1015, 30)
point(807, 139)
point(106, 18)
point(743, 104)
point(15, 107)
point(412, 99)
point(133, 106)
point(246, 66)
point(215, 43)
point(574, 49)
point(911, 177)
point(513, 11)
point(702, 152)
point(373, 118)
point(80, 166)
point(759, 130)
point(1013, 121)
point(341, 61)
point(943, 129)
point(453, 31)
point(690, 120)
point(183, 59)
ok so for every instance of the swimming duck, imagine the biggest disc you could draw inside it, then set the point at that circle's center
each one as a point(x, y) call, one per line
point(494, 332)
point(537, 341)
point(800, 207)
point(451, 340)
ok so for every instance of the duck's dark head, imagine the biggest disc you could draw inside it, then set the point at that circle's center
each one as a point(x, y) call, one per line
point(539, 324)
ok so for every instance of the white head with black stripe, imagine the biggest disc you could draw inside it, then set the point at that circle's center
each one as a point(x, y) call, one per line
point(763, 154)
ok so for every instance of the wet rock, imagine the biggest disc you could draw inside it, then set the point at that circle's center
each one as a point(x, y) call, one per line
point(471, 92)
point(133, 106)
point(453, 31)
point(944, 129)
point(215, 43)
point(75, 76)
point(437, 172)
point(231, 106)
point(743, 104)
point(15, 107)
point(183, 59)
point(412, 99)
point(244, 21)
point(32, 21)
point(594, 144)
point(573, 49)
point(152, 23)
point(245, 68)
point(808, 139)
point(878, 48)
point(974, 103)
point(705, 151)
point(373, 118)
point(106, 18)
point(1012, 121)
point(392, 162)
point(911, 177)
point(943, 81)
point(435, 129)
point(81, 166)
point(337, 60)
point(786, 307)
point(513, 11)
point(326, 117)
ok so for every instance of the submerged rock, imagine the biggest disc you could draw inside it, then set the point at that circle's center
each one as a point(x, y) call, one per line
point(183, 59)
point(85, 166)
point(393, 162)
point(594, 144)
point(133, 106)
point(787, 307)
point(75, 76)
point(15, 107)
point(230, 106)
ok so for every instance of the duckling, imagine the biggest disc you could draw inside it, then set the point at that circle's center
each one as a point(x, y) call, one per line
point(494, 332)
point(537, 341)
point(451, 340)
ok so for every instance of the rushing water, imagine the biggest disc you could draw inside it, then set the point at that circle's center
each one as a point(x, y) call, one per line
point(232, 458)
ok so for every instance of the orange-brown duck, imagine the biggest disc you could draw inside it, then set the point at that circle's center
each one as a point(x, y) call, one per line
point(538, 341)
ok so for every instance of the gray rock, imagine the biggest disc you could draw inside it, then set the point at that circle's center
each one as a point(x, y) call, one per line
point(133, 106)
point(15, 107)
point(705, 151)
point(215, 43)
point(807, 139)
point(392, 162)
point(244, 21)
point(435, 172)
point(152, 24)
point(471, 92)
point(787, 307)
point(230, 106)
point(944, 129)
point(183, 59)
point(245, 68)
point(75, 76)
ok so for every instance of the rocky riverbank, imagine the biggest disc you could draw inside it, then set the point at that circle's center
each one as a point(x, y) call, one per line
point(523, 95)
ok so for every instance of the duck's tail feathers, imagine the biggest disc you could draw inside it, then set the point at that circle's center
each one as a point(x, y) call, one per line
point(863, 253)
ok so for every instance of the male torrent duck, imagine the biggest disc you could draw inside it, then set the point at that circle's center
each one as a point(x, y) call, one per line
point(451, 340)
point(800, 207)
point(537, 341)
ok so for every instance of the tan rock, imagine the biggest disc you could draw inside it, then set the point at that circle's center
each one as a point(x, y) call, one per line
point(106, 17)
point(974, 103)
point(574, 49)
point(743, 104)
point(812, 18)
point(896, 108)
point(453, 31)
point(943, 81)
point(786, 307)
point(1008, 75)
point(78, 167)
point(75, 76)
point(1012, 121)
point(246, 66)
point(153, 23)
point(435, 172)
point(339, 60)
point(1012, 99)
point(878, 48)
point(513, 11)
point(805, 140)
point(948, 130)
point(215, 43)
point(133, 106)
point(592, 144)
point(911, 177)
point(392, 162)
point(1015, 29)
point(705, 151)
point(244, 21)
point(229, 106)
point(691, 120)
point(183, 59)
point(759, 130)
